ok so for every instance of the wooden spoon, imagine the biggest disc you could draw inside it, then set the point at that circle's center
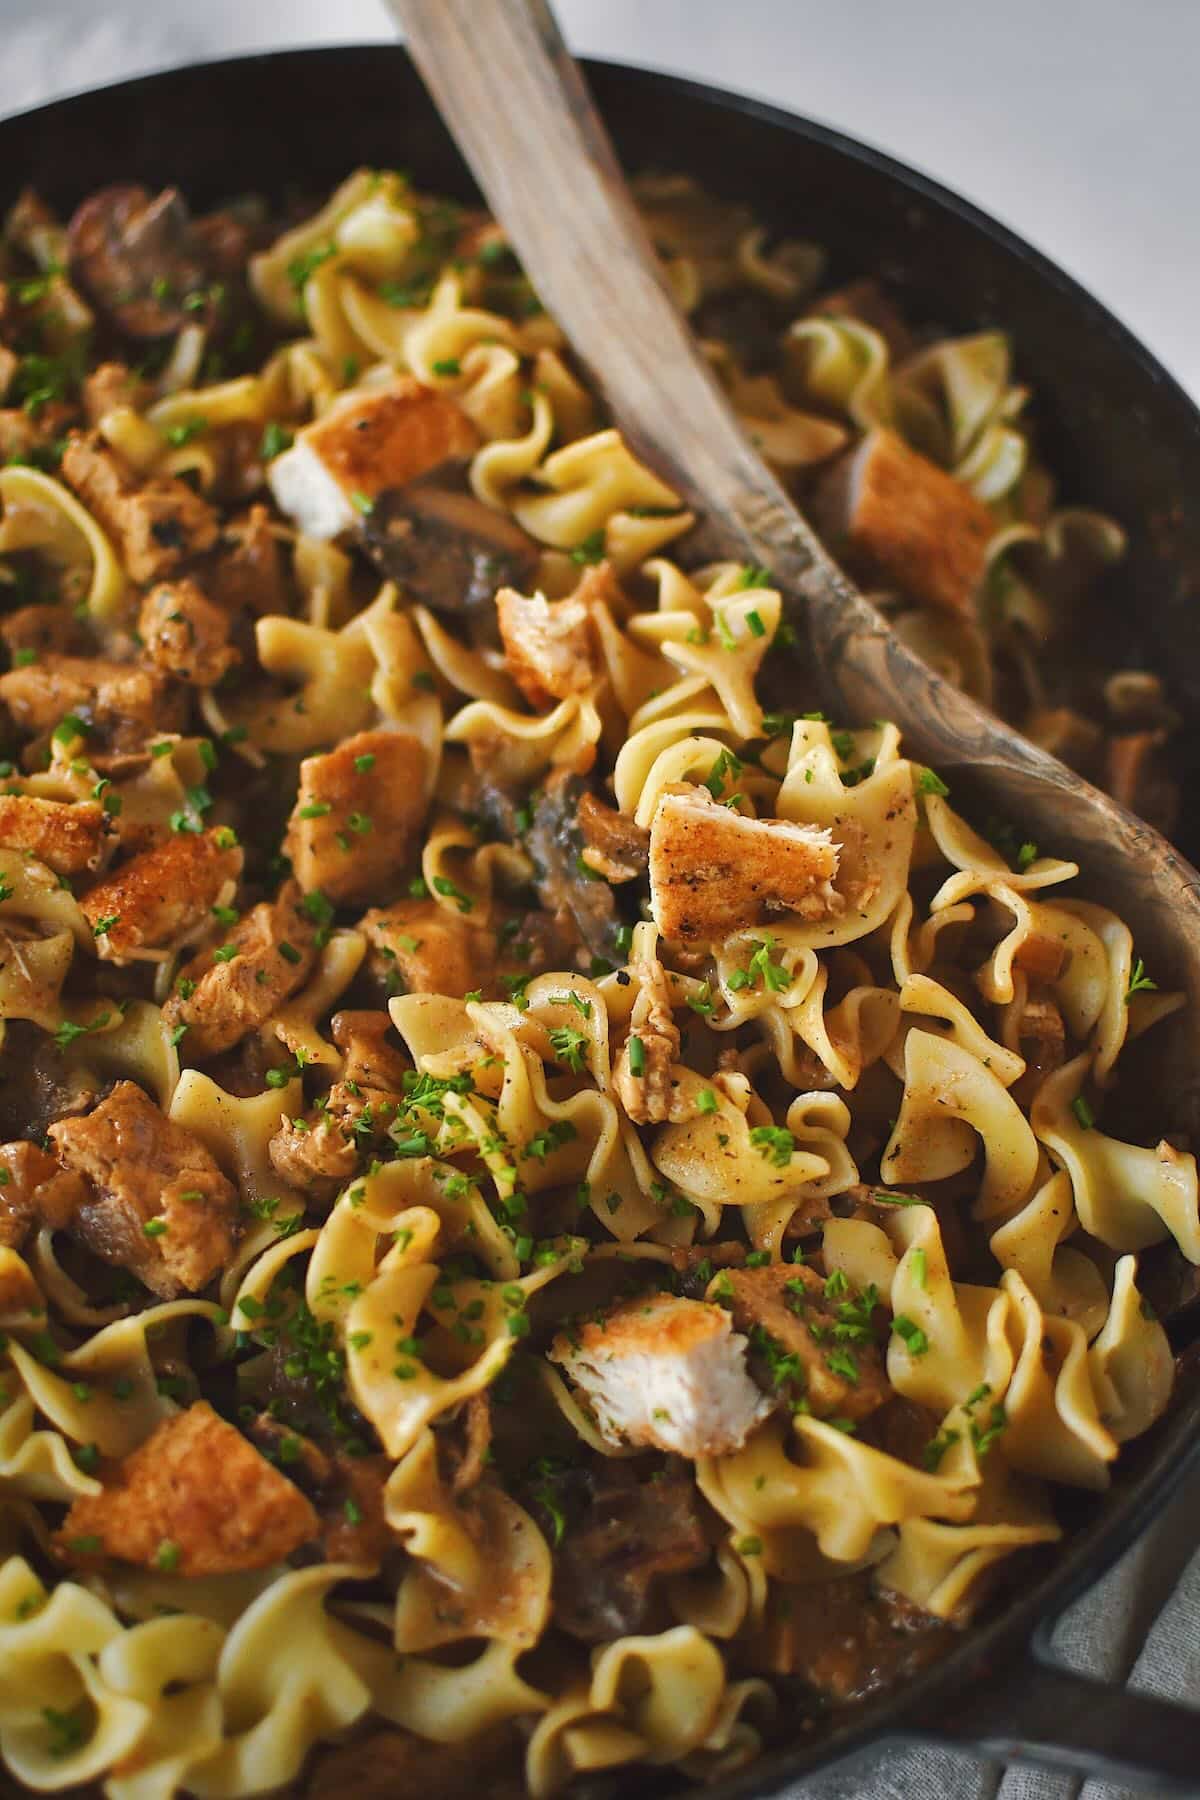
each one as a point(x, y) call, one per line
point(517, 105)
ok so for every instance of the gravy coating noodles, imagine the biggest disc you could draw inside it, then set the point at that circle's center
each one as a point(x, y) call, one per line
point(546, 1187)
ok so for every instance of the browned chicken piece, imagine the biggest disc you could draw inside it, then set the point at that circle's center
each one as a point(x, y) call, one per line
point(156, 523)
point(110, 385)
point(155, 899)
point(417, 947)
point(865, 302)
point(375, 1067)
point(123, 702)
point(644, 1080)
point(713, 871)
point(35, 1190)
point(666, 1373)
point(195, 1497)
point(314, 1155)
point(549, 645)
point(23, 432)
point(184, 634)
point(246, 571)
point(358, 810)
point(42, 629)
point(158, 1203)
point(320, 1152)
point(373, 440)
point(633, 1532)
point(614, 844)
point(905, 523)
point(791, 1316)
point(388, 1763)
point(69, 836)
point(219, 998)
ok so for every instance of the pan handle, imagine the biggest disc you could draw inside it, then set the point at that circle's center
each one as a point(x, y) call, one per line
point(1043, 1713)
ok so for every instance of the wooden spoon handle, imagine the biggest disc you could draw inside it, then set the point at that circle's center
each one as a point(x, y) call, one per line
point(518, 107)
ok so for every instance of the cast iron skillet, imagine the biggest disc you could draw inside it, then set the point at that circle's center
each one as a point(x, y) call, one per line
point(1116, 428)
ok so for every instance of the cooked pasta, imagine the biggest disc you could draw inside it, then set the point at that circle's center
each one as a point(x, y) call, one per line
point(548, 1187)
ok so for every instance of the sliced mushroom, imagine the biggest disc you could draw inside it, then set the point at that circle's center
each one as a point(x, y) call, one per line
point(147, 263)
point(446, 548)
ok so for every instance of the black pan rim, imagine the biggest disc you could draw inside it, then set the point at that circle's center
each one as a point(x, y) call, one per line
point(1026, 1619)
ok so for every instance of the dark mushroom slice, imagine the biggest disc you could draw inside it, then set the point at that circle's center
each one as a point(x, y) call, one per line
point(565, 882)
point(444, 547)
point(147, 264)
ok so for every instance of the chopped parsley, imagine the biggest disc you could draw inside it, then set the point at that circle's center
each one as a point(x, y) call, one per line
point(1139, 981)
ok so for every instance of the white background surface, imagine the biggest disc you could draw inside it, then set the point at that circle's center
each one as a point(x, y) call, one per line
point(1075, 121)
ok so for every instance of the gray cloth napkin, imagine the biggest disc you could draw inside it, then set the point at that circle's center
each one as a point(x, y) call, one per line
point(1139, 1625)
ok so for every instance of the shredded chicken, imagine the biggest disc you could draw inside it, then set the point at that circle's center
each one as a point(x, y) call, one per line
point(358, 810)
point(712, 870)
point(644, 1079)
point(157, 1202)
point(195, 1498)
point(372, 440)
point(70, 837)
point(665, 1372)
point(809, 1339)
point(320, 1152)
point(417, 947)
point(157, 522)
point(155, 899)
point(549, 647)
point(220, 998)
point(35, 1190)
point(905, 522)
point(185, 634)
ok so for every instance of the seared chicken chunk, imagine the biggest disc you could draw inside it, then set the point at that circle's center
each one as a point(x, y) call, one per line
point(357, 813)
point(123, 702)
point(372, 440)
point(417, 947)
point(810, 1339)
point(665, 1372)
point(110, 385)
point(713, 870)
point(320, 1152)
point(906, 523)
point(157, 523)
point(246, 570)
point(35, 1190)
point(220, 997)
point(47, 628)
point(155, 899)
point(195, 1497)
point(158, 1204)
point(549, 646)
point(185, 634)
point(68, 836)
